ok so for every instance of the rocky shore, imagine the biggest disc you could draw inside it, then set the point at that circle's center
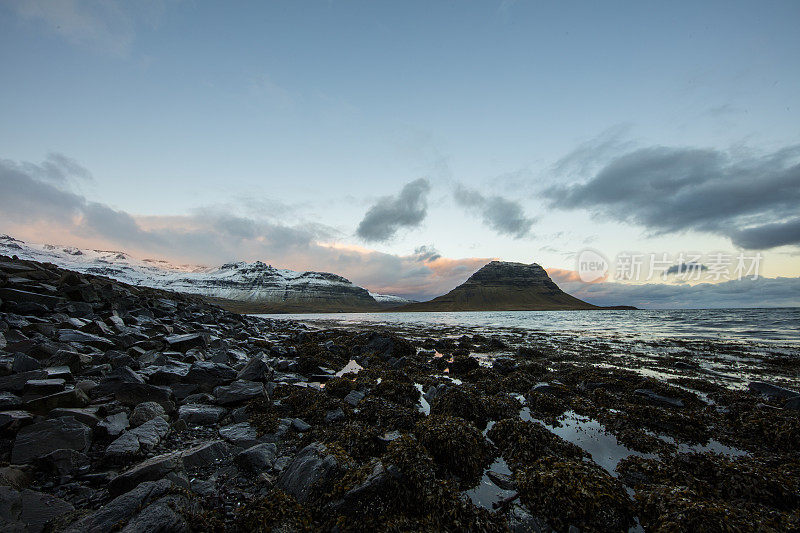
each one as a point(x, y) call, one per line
point(132, 409)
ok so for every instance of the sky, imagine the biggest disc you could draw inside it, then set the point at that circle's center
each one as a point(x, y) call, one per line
point(405, 144)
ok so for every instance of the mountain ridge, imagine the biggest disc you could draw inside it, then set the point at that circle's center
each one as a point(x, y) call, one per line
point(239, 286)
point(505, 286)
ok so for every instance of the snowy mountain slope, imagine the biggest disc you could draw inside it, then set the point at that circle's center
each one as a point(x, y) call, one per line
point(255, 283)
point(390, 298)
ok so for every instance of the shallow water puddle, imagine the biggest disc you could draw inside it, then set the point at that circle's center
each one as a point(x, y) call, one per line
point(590, 436)
point(487, 493)
point(713, 446)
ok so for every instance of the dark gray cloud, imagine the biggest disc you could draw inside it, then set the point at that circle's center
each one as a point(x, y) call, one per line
point(391, 213)
point(746, 198)
point(684, 268)
point(768, 235)
point(426, 253)
point(506, 217)
point(33, 192)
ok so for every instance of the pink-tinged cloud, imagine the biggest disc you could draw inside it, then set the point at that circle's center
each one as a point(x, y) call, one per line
point(561, 275)
point(37, 204)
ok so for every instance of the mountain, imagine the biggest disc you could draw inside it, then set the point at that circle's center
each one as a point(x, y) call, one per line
point(242, 287)
point(504, 286)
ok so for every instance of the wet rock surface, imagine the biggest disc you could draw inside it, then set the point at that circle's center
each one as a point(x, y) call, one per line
point(132, 409)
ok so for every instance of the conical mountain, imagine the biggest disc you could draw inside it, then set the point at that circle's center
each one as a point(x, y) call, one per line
point(504, 286)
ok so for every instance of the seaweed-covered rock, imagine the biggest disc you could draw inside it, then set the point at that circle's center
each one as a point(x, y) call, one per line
point(753, 491)
point(523, 443)
point(456, 445)
point(403, 393)
point(461, 402)
point(277, 511)
point(575, 493)
point(386, 415)
point(463, 365)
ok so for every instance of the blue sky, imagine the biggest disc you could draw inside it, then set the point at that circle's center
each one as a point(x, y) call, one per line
point(287, 123)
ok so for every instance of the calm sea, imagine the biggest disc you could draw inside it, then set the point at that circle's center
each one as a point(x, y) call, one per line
point(781, 325)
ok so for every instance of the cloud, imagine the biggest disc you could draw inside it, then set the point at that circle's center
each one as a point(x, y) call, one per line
point(745, 198)
point(768, 235)
point(505, 217)
point(427, 253)
point(108, 26)
point(36, 207)
point(684, 268)
point(586, 156)
point(391, 213)
point(761, 292)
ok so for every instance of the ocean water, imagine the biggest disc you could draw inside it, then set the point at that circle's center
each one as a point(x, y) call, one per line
point(760, 326)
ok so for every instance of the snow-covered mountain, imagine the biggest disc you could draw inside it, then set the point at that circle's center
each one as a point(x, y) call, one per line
point(260, 286)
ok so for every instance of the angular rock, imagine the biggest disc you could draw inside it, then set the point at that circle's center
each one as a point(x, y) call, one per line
point(257, 458)
point(64, 462)
point(241, 434)
point(73, 335)
point(16, 382)
point(353, 397)
point(37, 440)
point(182, 343)
point(43, 387)
point(112, 380)
point(206, 454)
point(15, 295)
point(133, 394)
point(73, 360)
point(773, 392)
point(237, 392)
point(337, 415)
point(256, 369)
point(146, 411)
point(68, 398)
point(658, 398)
point(12, 421)
point(158, 516)
point(28, 510)
point(151, 469)
point(504, 481)
point(141, 439)
point(167, 374)
point(84, 415)
point(9, 400)
point(114, 425)
point(25, 363)
point(201, 415)
point(312, 467)
point(300, 425)
point(121, 509)
point(209, 375)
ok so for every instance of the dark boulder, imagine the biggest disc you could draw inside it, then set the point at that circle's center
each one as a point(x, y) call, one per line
point(37, 440)
point(313, 468)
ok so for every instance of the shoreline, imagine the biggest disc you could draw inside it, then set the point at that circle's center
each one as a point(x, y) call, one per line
point(126, 406)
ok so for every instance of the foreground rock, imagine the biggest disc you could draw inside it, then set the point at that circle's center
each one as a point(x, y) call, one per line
point(130, 409)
